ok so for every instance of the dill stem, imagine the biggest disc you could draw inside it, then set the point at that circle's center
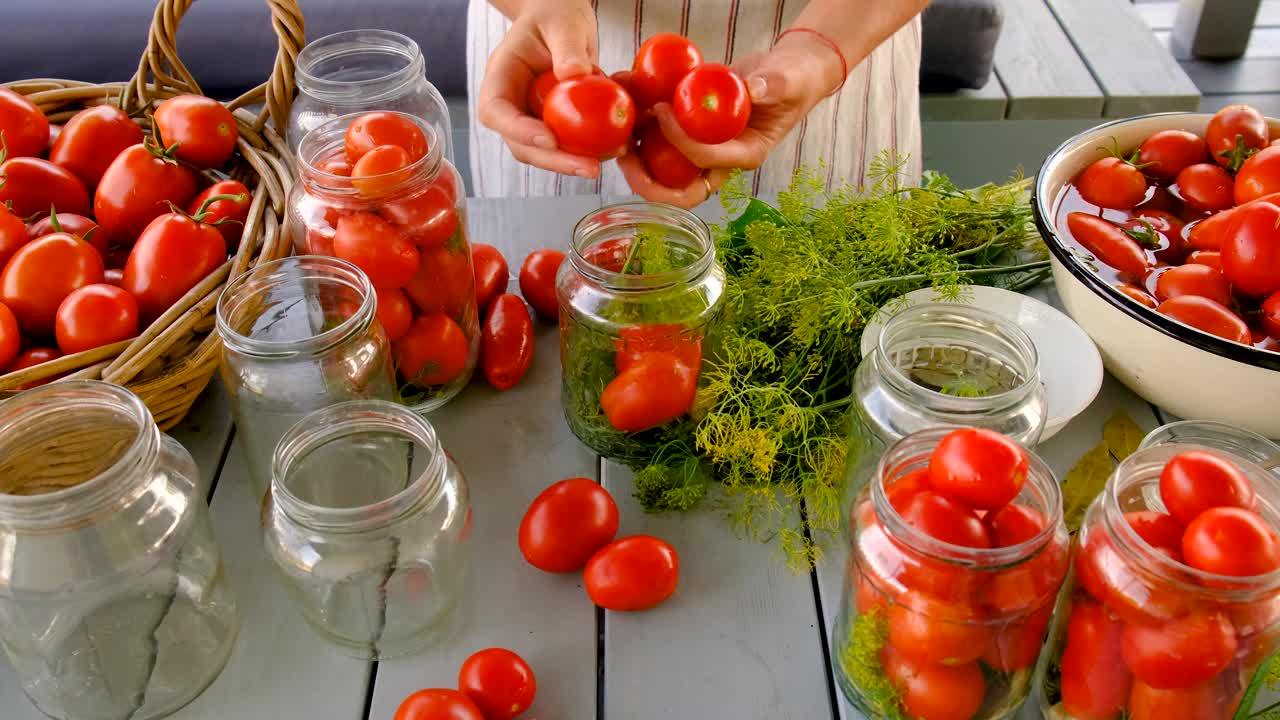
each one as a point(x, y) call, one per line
point(972, 272)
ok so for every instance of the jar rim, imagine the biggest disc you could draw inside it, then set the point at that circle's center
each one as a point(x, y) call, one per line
point(353, 42)
point(321, 142)
point(346, 419)
point(617, 217)
point(255, 281)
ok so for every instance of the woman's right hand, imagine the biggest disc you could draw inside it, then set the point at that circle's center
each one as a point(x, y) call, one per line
point(557, 35)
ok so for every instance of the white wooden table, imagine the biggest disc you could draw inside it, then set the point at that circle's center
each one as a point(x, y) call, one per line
point(743, 638)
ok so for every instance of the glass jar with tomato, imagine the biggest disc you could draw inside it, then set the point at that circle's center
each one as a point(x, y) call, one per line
point(957, 553)
point(638, 295)
point(376, 190)
point(1174, 602)
point(376, 566)
point(361, 70)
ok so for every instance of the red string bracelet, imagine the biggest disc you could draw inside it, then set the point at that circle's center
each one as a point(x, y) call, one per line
point(844, 64)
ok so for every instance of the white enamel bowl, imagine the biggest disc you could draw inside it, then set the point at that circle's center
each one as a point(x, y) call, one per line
point(1190, 373)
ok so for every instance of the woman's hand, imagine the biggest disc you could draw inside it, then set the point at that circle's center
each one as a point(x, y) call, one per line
point(545, 35)
point(785, 83)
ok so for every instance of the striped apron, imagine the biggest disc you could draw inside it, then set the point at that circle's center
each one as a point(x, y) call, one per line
point(877, 110)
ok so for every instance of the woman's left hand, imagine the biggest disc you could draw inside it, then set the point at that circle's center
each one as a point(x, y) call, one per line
point(785, 83)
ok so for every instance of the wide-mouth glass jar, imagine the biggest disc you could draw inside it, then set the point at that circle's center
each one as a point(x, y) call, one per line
point(917, 611)
point(1218, 436)
point(407, 230)
point(1138, 629)
point(364, 70)
point(368, 524)
point(298, 334)
point(639, 295)
point(113, 600)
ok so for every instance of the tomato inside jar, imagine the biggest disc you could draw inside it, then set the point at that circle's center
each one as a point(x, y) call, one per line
point(377, 191)
point(946, 606)
point(639, 295)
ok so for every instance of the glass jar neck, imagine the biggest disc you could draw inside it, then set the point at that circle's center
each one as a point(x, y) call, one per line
point(71, 450)
point(642, 246)
point(327, 143)
point(265, 311)
point(359, 67)
point(345, 421)
point(956, 361)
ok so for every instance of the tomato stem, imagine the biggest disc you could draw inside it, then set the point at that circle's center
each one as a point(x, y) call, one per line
point(1237, 154)
point(203, 211)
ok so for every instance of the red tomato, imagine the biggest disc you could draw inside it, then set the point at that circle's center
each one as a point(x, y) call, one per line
point(443, 282)
point(31, 358)
point(428, 219)
point(25, 129)
point(44, 272)
point(1108, 243)
point(93, 316)
point(491, 273)
point(1259, 176)
point(901, 490)
point(1112, 183)
point(381, 170)
point(980, 468)
point(1095, 683)
point(590, 116)
point(1112, 580)
point(384, 128)
point(1017, 645)
point(664, 162)
point(662, 62)
point(712, 104)
point(1234, 132)
point(433, 352)
point(171, 256)
point(91, 140)
point(203, 129)
point(1251, 250)
point(227, 215)
point(1133, 292)
point(1014, 524)
point(1198, 702)
point(637, 341)
point(336, 165)
point(1205, 186)
point(1028, 585)
point(506, 342)
point(13, 235)
point(538, 282)
point(655, 390)
point(1166, 153)
point(942, 518)
point(1193, 279)
point(1206, 315)
point(566, 524)
point(1271, 315)
point(134, 191)
point(32, 187)
point(499, 682)
point(1211, 232)
point(1208, 258)
point(80, 226)
point(373, 245)
point(394, 312)
point(113, 276)
point(935, 692)
point(609, 255)
point(1181, 652)
point(538, 89)
point(1231, 541)
point(1159, 231)
point(1195, 481)
point(930, 631)
point(1162, 532)
point(438, 704)
point(633, 573)
point(10, 339)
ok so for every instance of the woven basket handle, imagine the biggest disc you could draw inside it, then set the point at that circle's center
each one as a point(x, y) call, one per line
point(161, 72)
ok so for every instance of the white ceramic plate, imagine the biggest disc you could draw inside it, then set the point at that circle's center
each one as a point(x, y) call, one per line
point(1070, 366)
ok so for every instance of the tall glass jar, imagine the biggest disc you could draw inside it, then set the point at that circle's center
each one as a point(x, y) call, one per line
point(375, 566)
point(1139, 629)
point(943, 364)
point(364, 70)
point(639, 294)
point(298, 334)
point(407, 230)
point(917, 611)
point(113, 602)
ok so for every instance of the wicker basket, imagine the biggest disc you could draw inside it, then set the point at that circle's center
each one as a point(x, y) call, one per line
point(172, 361)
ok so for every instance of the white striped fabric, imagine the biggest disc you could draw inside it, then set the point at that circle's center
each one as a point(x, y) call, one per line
point(878, 108)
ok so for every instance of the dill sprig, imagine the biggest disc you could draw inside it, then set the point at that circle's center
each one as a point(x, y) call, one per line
point(859, 658)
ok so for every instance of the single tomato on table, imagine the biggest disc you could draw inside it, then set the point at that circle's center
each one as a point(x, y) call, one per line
point(32, 187)
point(1166, 153)
point(590, 116)
point(203, 129)
point(373, 129)
point(173, 254)
point(136, 189)
point(566, 524)
point(93, 316)
point(1197, 480)
point(538, 281)
point(434, 351)
point(91, 140)
point(1235, 132)
point(661, 63)
point(1095, 681)
point(373, 245)
point(438, 704)
point(44, 272)
point(633, 573)
point(653, 391)
point(491, 273)
point(1112, 183)
point(25, 128)
point(929, 691)
point(712, 104)
point(1108, 242)
point(1206, 315)
point(499, 682)
point(506, 342)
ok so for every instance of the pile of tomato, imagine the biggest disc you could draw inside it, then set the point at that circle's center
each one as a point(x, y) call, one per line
point(493, 684)
point(1173, 631)
point(602, 117)
point(103, 229)
point(959, 625)
point(1190, 225)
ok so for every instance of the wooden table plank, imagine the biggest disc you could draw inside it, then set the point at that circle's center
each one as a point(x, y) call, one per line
point(1263, 43)
point(1042, 73)
point(987, 103)
point(1250, 75)
point(1160, 15)
point(511, 446)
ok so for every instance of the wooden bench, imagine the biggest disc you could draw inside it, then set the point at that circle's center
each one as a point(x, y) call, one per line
point(1061, 66)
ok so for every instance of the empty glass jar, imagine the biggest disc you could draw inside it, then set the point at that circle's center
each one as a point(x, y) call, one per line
point(113, 602)
point(360, 71)
point(298, 334)
point(369, 524)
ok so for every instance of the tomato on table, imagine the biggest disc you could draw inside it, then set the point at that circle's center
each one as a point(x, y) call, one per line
point(1234, 133)
point(41, 274)
point(1193, 279)
point(203, 129)
point(1166, 153)
point(1108, 242)
point(1206, 315)
point(1259, 176)
point(1181, 652)
point(653, 391)
point(664, 161)
point(1112, 183)
point(491, 273)
point(438, 704)
point(538, 281)
point(590, 116)
point(633, 573)
point(1198, 702)
point(93, 316)
point(434, 351)
point(10, 337)
point(136, 189)
point(373, 245)
point(33, 187)
point(1205, 186)
point(935, 692)
point(712, 104)
point(91, 140)
point(1137, 294)
point(381, 170)
point(926, 630)
point(173, 254)
point(25, 128)
point(1231, 541)
point(1251, 250)
point(384, 128)
point(499, 682)
point(566, 524)
point(662, 61)
point(228, 215)
point(395, 313)
point(981, 468)
point(1095, 681)
point(1196, 480)
point(506, 342)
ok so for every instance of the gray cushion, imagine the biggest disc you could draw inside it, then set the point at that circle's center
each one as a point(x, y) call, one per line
point(959, 43)
point(227, 44)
